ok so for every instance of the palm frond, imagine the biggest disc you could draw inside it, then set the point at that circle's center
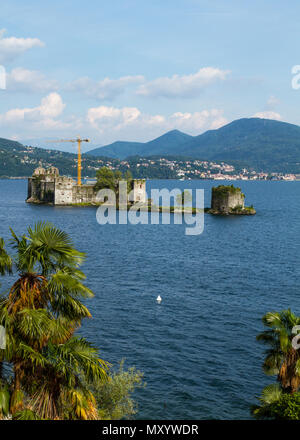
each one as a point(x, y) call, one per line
point(79, 356)
point(62, 282)
point(71, 308)
point(271, 393)
point(34, 325)
point(26, 414)
point(53, 246)
point(5, 259)
point(272, 362)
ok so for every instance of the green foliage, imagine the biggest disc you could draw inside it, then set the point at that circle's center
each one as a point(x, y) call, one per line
point(55, 375)
point(5, 259)
point(223, 190)
point(184, 198)
point(249, 209)
point(149, 171)
point(281, 357)
point(287, 407)
point(51, 368)
point(26, 414)
point(128, 177)
point(114, 396)
point(237, 208)
point(281, 400)
point(110, 179)
point(283, 407)
point(4, 401)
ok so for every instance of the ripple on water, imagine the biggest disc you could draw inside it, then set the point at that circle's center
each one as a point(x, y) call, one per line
point(197, 348)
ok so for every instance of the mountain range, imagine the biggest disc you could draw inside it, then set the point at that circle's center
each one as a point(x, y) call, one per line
point(168, 143)
point(259, 144)
point(262, 144)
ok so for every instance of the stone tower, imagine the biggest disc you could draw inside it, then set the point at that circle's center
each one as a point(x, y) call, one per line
point(224, 199)
point(138, 193)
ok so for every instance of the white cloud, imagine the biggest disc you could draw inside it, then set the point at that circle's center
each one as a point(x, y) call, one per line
point(268, 115)
point(185, 86)
point(106, 89)
point(42, 116)
point(198, 121)
point(103, 124)
point(115, 118)
point(24, 80)
point(52, 105)
point(12, 47)
point(130, 122)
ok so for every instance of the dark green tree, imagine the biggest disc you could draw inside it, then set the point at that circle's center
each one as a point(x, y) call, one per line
point(184, 198)
point(110, 179)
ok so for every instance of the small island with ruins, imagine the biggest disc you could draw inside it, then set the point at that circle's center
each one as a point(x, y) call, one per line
point(46, 186)
point(229, 200)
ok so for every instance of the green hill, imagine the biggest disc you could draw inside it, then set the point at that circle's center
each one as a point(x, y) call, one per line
point(118, 149)
point(262, 144)
point(165, 144)
point(17, 160)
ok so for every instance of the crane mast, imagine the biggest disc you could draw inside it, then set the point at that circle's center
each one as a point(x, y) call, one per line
point(78, 140)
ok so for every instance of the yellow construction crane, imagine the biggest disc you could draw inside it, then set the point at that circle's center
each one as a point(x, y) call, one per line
point(78, 140)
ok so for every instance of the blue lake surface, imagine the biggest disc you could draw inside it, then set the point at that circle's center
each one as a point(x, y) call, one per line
point(197, 348)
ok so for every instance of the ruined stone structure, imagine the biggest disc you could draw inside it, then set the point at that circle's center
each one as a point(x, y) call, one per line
point(47, 186)
point(225, 198)
point(228, 200)
point(138, 191)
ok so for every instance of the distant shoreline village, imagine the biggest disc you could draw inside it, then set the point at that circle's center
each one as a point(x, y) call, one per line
point(158, 168)
point(205, 170)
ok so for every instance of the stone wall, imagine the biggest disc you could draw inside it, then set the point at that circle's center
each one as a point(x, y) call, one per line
point(63, 190)
point(40, 190)
point(224, 199)
point(83, 194)
point(47, 186)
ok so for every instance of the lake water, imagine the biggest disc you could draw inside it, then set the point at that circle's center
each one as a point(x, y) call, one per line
point(197, 348)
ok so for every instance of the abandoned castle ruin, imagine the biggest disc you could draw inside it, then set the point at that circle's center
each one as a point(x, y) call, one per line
point(48, 187)
point(226, 200)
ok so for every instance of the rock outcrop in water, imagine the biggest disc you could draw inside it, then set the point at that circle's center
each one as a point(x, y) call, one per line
point(229, 200)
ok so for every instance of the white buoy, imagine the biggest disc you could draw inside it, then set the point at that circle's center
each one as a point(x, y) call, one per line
point(158, 299)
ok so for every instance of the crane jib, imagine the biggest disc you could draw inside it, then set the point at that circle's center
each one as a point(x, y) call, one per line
point(78, 140)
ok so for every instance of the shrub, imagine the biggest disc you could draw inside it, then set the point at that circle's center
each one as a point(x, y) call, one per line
point(113, 396)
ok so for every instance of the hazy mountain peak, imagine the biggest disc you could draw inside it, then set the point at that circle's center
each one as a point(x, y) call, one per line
point(257, 142)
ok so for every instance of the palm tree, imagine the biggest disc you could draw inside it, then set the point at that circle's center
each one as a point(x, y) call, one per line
point(5, 267)
point(62, 388)
point(281, 358)
point(41, 312)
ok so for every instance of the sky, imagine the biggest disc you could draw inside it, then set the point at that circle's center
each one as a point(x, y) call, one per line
point(133, 70)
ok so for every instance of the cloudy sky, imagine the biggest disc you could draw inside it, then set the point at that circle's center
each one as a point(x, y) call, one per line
point(134, 69)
